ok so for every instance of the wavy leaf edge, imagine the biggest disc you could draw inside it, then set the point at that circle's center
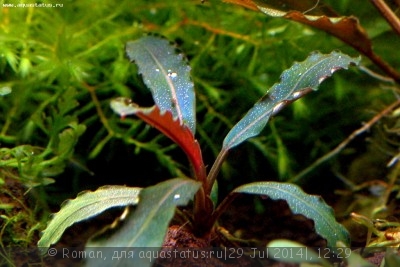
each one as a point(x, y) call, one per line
point(97, 201)
point(166, 74)
point(323, 217)
point(286, 90)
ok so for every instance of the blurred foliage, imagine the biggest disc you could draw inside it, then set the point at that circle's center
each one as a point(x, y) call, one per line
point(60, 67)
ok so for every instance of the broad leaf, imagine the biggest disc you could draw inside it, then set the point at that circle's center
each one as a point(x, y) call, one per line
point(147, 226)
point(169, 126)
point(167, 74)
point(294, 83)
point(312, 207)
point(86, 205)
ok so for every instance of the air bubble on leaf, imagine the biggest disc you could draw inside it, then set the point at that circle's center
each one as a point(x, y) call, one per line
point(177, 196)
point(278, 107)
point(320, 80)
point(172, 74)
point(296, 95)
point(124, 214)
point(171, 86)
point(300, 77)
point(334, 69)
point(157, 70)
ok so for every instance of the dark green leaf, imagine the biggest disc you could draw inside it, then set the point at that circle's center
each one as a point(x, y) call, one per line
point(167, 75)
point(313, 207)
point(294, 81)
point(147, 226)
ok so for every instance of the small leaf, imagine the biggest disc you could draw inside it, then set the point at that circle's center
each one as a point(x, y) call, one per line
point(355, 260)
point(147, 226)
point(68, 139)
point(167, 75)
point(298, 254)
point(67, 101)
point(86, 205)
point(312, 207)
point(294, 83)
point(169, 126)
point(5, 90)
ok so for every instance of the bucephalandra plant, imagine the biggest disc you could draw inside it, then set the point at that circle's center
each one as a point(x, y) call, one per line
point(166, 73)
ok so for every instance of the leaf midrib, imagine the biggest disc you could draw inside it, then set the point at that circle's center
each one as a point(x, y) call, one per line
point(170, 84)
point(267, 113)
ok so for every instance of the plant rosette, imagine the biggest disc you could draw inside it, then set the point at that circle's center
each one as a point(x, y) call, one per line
point(166, 73)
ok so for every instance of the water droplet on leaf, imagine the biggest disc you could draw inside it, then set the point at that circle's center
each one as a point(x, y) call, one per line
point(172, 74)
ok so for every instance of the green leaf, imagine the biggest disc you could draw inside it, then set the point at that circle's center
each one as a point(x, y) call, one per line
point(67, 102)
point(294, 83)
point(147, 226)
point(392, 258)
point(5, 90)
point(298, 253)
point(68, 139)
point(313, 207)
point(356, 260)
point(86, 205)
point(167, 75)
